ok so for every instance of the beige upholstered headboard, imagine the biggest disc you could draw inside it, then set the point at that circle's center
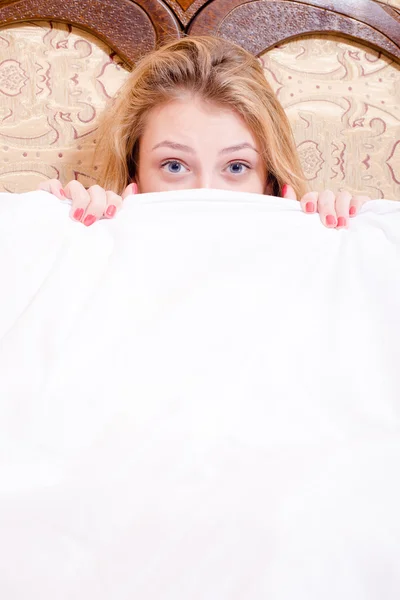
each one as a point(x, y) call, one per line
point(54, 81)
point(343, 101)
point(336, 74)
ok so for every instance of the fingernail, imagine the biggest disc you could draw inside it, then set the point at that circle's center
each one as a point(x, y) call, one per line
point(78, 214)
point(89, 220)
point(284, 189)
point(330, 220)
point(62, 193)
point(310, 207)
point(352, 210)
point(341, 222)
point(134, 188)
point(111, 210)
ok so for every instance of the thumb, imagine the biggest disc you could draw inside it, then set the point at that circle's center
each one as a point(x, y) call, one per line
point(44, 186)
point(53, 186)
point(288, 192)
point(132, 188)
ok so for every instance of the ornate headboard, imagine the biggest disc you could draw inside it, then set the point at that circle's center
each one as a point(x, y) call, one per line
point(335, 66)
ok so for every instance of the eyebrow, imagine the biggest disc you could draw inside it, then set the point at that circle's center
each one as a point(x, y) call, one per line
point(184, 148)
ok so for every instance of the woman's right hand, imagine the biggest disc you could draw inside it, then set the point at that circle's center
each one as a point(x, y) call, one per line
point(88, 205)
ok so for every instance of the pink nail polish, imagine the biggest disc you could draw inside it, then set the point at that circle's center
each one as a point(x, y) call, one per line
point(341, 222)
point(134, 188)
point(352, 210)
point(111, 210)
point(330, 220)
point(62, 193)
point(310, 207)
point(89, 220)
point(284, 190)
point(78, 214)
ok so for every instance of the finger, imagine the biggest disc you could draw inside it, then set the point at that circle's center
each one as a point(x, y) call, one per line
point(288, 192)
point(132, 188)
point(309, 202)
point(97, 205)
point(326, 208)
point(356, 203)
point(53, 186)
point(342, 207)
point(80, 199)
point(113, 204)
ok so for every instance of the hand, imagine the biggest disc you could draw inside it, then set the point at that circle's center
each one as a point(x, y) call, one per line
point(88, 205)
point(334, 211)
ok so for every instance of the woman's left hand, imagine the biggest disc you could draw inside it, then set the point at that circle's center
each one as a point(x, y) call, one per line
point(334, 210)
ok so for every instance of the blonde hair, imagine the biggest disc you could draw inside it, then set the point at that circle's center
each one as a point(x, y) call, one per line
point(216, 70)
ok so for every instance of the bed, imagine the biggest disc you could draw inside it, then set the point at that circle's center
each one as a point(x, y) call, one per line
point(201, 397)
point(333, 65)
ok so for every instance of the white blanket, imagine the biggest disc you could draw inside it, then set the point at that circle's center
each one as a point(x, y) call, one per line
point(199, 400)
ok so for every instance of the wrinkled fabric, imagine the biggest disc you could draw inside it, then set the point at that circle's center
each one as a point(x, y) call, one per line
point(199, 399)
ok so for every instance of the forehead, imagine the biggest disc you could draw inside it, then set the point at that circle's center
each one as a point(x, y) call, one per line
point(193, 119)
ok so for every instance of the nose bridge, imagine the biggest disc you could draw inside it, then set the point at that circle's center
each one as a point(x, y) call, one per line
point(205, 178)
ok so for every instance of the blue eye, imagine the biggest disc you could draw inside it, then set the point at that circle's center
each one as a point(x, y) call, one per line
point(173, 166)
point(237, 168)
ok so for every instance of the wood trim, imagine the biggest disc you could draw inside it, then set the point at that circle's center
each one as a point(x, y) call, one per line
point(262, 24)
point(131, 29)
point(134, 28)
point(379, 16)
point(185, 10)
point(392, 3)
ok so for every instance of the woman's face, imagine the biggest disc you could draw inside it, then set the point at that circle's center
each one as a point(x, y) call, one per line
point(191, 144)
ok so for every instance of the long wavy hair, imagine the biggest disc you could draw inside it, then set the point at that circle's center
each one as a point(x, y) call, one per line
point(214, 70)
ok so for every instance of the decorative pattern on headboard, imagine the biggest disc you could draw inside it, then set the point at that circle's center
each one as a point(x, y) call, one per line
point(343, 102)
point(334, 65)
point(54, 81)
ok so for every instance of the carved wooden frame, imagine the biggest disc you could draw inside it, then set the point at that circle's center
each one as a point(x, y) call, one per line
point(135, 27)
point(262, 24)
point(131, 29)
